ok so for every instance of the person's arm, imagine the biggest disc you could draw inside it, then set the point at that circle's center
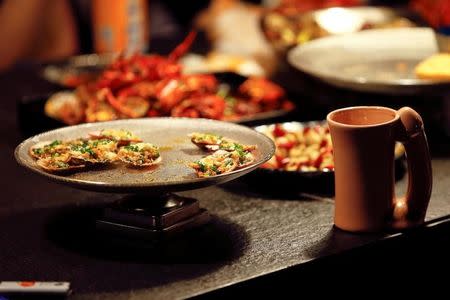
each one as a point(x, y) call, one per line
point(19, 25)
point(36, 29)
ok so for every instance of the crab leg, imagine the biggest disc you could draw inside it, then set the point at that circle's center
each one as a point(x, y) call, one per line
point(117, 105)
point(181, 49)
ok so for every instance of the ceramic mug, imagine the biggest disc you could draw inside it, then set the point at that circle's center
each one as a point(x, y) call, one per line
point(363, 139)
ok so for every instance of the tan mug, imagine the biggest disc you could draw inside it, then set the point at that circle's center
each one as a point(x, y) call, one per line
point(363, 139)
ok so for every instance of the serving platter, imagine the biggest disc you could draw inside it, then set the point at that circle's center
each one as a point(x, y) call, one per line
point(378, 60)
point(151, 208)
point(171, 135)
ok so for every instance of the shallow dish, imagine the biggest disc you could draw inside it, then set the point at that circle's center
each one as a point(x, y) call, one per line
point(381, 60)
point(171, 135)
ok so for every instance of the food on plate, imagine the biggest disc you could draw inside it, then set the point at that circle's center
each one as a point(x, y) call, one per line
point(47, 149)
point(66, 107)
point(294, 7)
point(121, 136)
point(93, 151)
point(140, 154)
point(213, 142)
point(221, 161)
point(59, 163)
point(204, 140)
point(221, 62)
point(154, 85)
point(301, 148)
point(71, 75)
point(263, 92)
point(55, 155)
point(217, 163)
point(233, 27)
point(435, 67)
point(304, 148)
point(227, 156)
point(103, 147)
point(292, 24)
point(74, 80)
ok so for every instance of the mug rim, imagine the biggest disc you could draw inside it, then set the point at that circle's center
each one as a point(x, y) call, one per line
point(336, 111)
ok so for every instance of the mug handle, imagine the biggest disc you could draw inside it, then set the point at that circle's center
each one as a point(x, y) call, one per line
point(410, 210)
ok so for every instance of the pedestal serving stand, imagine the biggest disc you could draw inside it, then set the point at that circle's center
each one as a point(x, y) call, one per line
point(149, 208)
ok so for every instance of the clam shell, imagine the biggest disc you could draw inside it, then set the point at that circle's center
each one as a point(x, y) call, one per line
point(212, 142)
point(135, 156)
point(119, 135)
point(249, 159)
point(66, 107)
point(137, 164)
point(51, 165)
point(41, 145)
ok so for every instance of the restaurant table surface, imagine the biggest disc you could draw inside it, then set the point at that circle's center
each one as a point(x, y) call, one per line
point(44, 234)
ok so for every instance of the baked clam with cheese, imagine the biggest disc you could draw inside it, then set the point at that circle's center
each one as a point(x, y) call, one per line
point(227, 156)
point(140, 154)
point(102, 147)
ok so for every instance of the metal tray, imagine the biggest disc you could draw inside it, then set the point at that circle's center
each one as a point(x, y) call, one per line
point(171, 135)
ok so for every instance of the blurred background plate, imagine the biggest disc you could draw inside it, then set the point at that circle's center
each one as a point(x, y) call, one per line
point(68, 73)
point(79, 69)
point(280, 181)
point(285, 29)
point(32, 118)
point(379, 60)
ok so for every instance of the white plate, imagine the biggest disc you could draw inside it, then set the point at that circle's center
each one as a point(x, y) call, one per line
point(379, 60)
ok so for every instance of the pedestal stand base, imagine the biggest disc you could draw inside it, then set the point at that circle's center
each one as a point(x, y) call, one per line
point(151, 217)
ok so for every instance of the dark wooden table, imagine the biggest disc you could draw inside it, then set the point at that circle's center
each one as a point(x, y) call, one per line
point(256, 242)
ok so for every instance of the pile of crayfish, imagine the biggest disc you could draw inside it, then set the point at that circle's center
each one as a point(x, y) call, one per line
point(145, 85)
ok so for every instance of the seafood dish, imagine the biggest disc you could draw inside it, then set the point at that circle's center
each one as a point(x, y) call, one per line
point(303, 147)
point(122, 137)
point(300, 149)
point(227, 155)
point(140, 154)
point(303, 160)
point(214, 142)
point(153, 85)
point(85, 68)
point(215, 61)
point(102, 147)
point(108, 146)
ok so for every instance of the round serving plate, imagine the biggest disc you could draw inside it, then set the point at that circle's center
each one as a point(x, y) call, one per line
point(379, 60)
point(171, 135)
